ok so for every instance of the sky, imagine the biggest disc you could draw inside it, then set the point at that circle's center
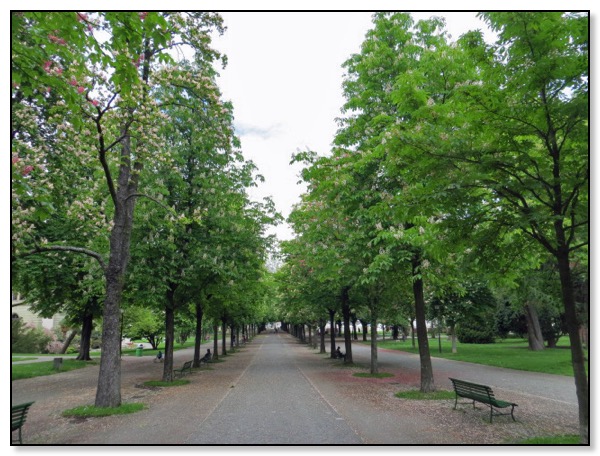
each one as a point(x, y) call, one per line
point(284, 77)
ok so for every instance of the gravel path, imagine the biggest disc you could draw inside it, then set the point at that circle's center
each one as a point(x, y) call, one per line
point(272, 404)
point(278, 391)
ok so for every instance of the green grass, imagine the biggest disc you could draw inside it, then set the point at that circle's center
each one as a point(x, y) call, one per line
point(151, 352)
point(30, 370)
point(167, 384)
point(42, 355)
point(508, 353)
point(415, 394)
point(369, 375)
point(21, 358)
point(554, 440)
point(86, 411)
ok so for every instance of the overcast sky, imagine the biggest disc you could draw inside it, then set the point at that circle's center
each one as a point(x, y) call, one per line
point(284, 78)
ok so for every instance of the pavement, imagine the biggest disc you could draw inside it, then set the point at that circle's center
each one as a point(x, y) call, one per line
point(277, 391)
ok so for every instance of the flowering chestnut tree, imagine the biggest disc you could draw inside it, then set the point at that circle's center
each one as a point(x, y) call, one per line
point(95, 75)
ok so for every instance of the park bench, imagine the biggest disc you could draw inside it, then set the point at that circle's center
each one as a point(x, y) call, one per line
point(483, 394)
point(17, 418)
point(185, 369)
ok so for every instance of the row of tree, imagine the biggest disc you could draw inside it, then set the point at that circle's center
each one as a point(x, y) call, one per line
point(458, 166)
point(129, 188)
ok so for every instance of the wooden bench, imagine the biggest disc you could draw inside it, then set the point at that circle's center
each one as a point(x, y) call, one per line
point(17, 419)
point(185, 369)
point(483, 394)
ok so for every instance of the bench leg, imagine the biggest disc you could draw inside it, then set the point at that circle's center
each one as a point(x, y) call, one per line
point(20, 438)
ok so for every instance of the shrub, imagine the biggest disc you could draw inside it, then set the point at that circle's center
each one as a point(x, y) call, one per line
point(27, 339)
point(467, 334)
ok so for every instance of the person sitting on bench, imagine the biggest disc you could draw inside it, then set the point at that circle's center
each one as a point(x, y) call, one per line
point(159, 357)
point(208, 357)
point(339, 354)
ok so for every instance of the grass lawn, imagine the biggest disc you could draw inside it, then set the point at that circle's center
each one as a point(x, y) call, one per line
point(30, 370)
point(21, 358)
point(37, 369)
point(150, 352)
point(509, 353)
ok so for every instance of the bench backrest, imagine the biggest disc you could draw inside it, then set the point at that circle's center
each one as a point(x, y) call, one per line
point(187, 365)
point(469, 389)
point(19, 414)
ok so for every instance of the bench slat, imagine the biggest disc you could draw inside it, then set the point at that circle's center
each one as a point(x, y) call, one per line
point(18, 415)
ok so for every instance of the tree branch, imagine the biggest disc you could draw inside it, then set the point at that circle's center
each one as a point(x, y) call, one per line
point(68, 248)
point(142, 195)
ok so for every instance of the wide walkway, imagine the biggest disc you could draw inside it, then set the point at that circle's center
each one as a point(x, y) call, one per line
point(276, 391)
point(273, 403)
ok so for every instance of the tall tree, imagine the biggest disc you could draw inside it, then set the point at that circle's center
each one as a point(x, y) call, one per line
point(102, 67)
point(505, 143)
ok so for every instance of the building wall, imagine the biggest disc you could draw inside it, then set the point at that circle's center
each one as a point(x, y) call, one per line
point(21, 308)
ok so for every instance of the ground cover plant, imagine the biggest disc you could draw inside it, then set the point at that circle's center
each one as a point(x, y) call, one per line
point(434, 395)
point(92, 411)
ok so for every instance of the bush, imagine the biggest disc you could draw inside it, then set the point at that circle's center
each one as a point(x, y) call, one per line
point(27, 339)
point(475, 335)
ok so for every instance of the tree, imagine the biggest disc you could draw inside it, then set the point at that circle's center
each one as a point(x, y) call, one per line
point(392, 49)
point(531, 115)
point(143, 323)
point(105, 85)
point(505, 143)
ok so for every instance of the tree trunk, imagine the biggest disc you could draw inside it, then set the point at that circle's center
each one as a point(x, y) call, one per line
point(332, 331)
point(347, 332)
point(454, 349)
point(534, 331)
point(365, 329)
point(374, 363)
point(169, 335)
point(215, 341)
point(198, 341)
point(427, 384)
point(224, 347)
point(322, 336)
point(108, 393)
point(412, 332)
point(87, 327)
point(577, 354)
point(354, 330)
point(65, 346)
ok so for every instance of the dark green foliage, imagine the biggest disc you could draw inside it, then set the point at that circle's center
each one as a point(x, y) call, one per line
point(478, 325)
point(470, 332)
point(509, 320)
